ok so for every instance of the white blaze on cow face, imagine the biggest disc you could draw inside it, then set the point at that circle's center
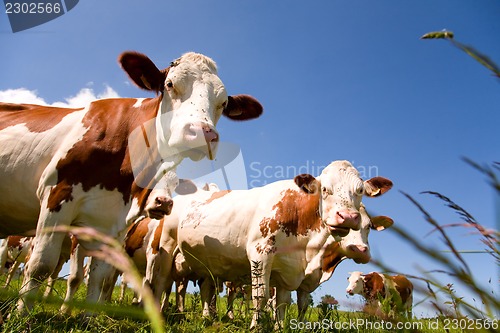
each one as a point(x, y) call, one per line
point(193, 101)
point(355, 283)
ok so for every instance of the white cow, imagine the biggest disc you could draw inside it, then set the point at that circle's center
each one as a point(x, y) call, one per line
point(276, 234)
point(95, 166)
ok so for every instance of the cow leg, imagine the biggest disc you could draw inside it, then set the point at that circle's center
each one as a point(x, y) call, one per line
point(261, 273)
point(43, 260)
point(302, 303)
point(100, 279)
point(4, 251)
point(158, 270)
point(75, 278)
point(12, 272)
point(207, 292)
point(180, 294)
point(123, 289)
point(283, 300)
point(53, 277)
point(231, 296)
point(109, 284)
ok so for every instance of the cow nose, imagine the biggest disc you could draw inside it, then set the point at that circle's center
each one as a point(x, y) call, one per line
point(211, 136)
point(348, 219)
point(209, 133)
point(359, 253)
point(162, 206)
point(203, 135)
point(358, 248)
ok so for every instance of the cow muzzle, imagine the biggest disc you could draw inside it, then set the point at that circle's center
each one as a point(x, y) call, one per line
point(343, 222)
point(359, 253)
point(202, 140)
point(160, 207)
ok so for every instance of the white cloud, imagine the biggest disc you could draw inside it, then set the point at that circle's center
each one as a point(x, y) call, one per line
point(82, 98)
point(21, 95)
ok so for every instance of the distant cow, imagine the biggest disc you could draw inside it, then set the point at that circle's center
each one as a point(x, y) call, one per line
point(13, 253)
point(276, 234)
point(379, 290)
point(95, 166)
point(15, 250)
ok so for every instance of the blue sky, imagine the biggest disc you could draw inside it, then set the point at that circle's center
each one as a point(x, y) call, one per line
point(338, 80)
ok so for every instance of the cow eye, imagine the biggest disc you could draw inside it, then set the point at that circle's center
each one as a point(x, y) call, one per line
point(224, 105)
point(169, 84)
point(360, 190)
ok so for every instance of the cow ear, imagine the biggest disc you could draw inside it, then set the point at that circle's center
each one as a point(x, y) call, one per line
point(242, 107)
point(307, 183)
point(142, 71)
point(186, 186)
point(380, 223)
point(377, 186)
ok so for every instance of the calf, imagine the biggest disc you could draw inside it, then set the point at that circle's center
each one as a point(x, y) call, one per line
point(381, 290)
point(276, 234)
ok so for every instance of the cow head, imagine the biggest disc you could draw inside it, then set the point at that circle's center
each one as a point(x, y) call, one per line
point(159, 201)
point(193, 98)
point(355, 245)
point(356, 283)
point(341, 192)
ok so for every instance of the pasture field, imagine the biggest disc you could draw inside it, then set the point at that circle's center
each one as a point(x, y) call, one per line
point(123, 317)
point(452, 312)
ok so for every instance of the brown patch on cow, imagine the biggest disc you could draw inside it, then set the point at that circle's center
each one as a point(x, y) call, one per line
point(331, 258)
point(373, 286)
point(297, 213)
point(217, 195)
point(155, 244)
point(101, 158)
point(59, 194)
point(74, 244)
point(15, 241)
point(403, 286)
point(268, 247)
point(135, 236)
point(36, 118)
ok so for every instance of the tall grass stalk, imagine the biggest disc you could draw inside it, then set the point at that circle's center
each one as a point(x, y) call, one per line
point(456, 266)
point(112, 252)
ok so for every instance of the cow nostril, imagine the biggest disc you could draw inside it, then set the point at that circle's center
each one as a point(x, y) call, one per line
point(160, 200)
point(210, 135)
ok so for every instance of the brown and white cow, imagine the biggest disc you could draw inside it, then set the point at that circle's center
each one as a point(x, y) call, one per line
point(379, 290)
point(354, 246)
point(16, 250)
point(13, 253)
point(95, 166)
point(276, 234)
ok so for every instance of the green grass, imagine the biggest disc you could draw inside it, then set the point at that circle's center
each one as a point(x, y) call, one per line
point(453, 314)
point(116, 317)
